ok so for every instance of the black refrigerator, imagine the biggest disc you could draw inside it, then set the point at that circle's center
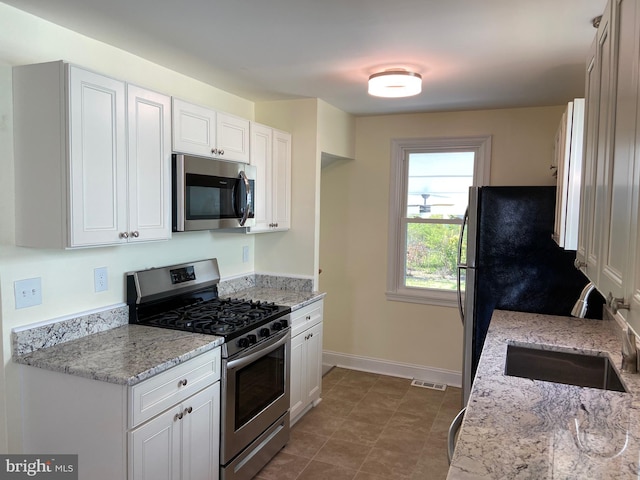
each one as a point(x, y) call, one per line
point(512, 263)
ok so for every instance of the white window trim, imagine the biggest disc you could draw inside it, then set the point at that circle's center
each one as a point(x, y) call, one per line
point(400, 148)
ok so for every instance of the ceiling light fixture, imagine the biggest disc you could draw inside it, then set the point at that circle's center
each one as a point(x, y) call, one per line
point(395, 83)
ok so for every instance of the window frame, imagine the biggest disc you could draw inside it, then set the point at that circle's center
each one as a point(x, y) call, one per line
point(398, 182)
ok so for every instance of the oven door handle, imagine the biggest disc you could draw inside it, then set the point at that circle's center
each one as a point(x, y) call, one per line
point(270, 346)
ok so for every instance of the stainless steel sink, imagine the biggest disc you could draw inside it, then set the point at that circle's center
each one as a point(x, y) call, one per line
point(562, 367)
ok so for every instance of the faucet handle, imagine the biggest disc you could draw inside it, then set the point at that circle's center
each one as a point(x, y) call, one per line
point(616, 304)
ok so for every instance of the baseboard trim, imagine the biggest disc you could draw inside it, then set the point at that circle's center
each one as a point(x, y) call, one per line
point(395, 369)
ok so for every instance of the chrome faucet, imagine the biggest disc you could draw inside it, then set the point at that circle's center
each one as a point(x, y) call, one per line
point(580, 308)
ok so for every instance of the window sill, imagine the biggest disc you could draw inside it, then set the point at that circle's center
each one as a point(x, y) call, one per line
point(426, 297)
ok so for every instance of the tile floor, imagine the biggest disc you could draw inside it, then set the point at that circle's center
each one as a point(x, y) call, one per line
point(369, 427)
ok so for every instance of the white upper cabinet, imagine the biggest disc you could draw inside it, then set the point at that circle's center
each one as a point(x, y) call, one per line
point(198, 130)
point(568, 161)
point(597, 151)
point(608, 246)
point(78, 181)
point(271, 155)
point(97, 158)
point(149, 180)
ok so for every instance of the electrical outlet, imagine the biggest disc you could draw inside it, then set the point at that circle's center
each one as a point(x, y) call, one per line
point(100, 281)
point(245, 254)
point(28, 292)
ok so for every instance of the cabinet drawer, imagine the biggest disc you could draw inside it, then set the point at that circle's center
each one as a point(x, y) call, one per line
point(169, 388)
point(306, 317)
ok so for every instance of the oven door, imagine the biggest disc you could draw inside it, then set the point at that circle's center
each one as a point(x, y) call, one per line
point(255, 393)
point(210, 194)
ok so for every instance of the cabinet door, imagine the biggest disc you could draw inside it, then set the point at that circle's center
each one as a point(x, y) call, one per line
point(261, 158)
point(194, 128)
point(149, 145)
point(155, 448)
point(232, 138)
point(599, 147)
point(97, 150)
point(560, 151)
point(314, 362)
point(614, 261)
point(281, 180)
point(200, 435)
point(297, 383)
point(587, 183)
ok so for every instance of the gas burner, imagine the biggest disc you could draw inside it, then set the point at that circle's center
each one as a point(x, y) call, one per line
point(152, 299)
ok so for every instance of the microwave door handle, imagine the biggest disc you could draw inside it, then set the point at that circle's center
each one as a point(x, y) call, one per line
point(248, 206)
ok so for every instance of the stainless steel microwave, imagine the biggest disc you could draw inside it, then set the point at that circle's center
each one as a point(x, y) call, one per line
point(210, 194)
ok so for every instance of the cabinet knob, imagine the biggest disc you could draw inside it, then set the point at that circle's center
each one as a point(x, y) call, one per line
point(214, 151)
point(182, 383)
point(124, 234)
point(579, 264)
point(178, 416)
point(135, 234)
point(221, 152)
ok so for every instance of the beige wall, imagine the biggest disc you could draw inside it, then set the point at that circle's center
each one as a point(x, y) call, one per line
point(354, 217)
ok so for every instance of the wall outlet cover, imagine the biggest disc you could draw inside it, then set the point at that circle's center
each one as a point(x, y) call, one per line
point(100, 279)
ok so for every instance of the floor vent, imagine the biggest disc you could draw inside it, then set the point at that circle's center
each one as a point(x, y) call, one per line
point(433, 386)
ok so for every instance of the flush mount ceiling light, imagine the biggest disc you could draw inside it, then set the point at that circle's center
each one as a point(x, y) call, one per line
point(395, 84)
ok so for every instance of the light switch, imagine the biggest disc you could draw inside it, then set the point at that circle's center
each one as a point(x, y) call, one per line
point(28, 293)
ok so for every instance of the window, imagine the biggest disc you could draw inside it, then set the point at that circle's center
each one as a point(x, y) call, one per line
point(430, 180)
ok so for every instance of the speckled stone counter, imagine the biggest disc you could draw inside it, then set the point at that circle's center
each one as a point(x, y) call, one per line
point(124, 355)
point(517, 428)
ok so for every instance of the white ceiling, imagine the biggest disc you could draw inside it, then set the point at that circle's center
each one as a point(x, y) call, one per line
point(472, 54)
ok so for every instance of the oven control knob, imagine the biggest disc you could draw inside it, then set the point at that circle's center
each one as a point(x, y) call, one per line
point(252, 339)
point(264, 332)
point(243, 342)
point(276, 326)
point(284, 323)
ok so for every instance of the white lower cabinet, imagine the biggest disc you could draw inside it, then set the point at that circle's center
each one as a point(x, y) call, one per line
point(166, 427)
point(180, 443)
point(306, 359)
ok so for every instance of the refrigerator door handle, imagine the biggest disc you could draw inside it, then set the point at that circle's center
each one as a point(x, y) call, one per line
point(461, 266)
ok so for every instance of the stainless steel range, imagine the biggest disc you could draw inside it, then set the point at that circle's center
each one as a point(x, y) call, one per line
point(255, 356)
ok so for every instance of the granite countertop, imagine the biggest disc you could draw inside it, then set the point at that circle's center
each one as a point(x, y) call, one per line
point(517, 428)
point(289, 298)
point(124, 355)
point(129, 354)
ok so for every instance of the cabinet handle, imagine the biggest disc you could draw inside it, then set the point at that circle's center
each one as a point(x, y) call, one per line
point(188, 410)
point(616, 303)
point(214, 151)
point(135, 234)
point(578, 264)
point(182, 383)
point(178, 416)
point(221, 152)
point(124, 234)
